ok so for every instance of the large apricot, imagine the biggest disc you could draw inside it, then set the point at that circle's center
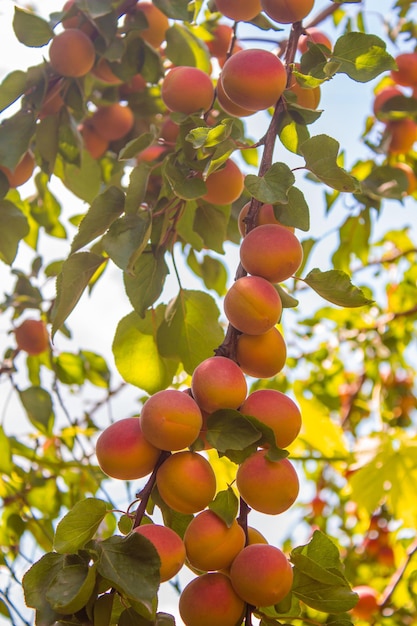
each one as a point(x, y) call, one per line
point(254, 79)
point(221, 39)
point(123, 452)
point(238, 10)
point(367, 604)
point(94, 143)
point(287, 11)
point(168, 544)
point(210, 600)
point(261, 575)
point(228, 106)
point(187, 90)
point(402, 135)
point(22, 172)
point(157, 22)
point(224, 185)
point(265, 215)
point(276, 410)
point(186, 482)
point(269, 487)
point(262, 356)
point(272, 252)
point(252, 305)
point(218, 383)
point(32, 336)
point(210, 544)
point(406, 72)
point(112, 122)
point(72, 53)
point(171, 420)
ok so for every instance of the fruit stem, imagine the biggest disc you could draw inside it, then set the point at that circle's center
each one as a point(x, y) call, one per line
point(145, 493)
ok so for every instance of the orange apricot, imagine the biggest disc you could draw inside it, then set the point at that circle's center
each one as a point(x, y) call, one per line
point(221, 39)
point(406, 72)
point(78, 20)
point(22, 172)
point(157, 22)
point(112, 122)
point(261, 356)
point(151, 153)
point(210, 544)
point(287, 11)
point(265, 215)
point(169, 131)
point(187, 90)
point(367, 604)
point(261, 575)
point(171, 419)
point(104, 72)
point(276, 410)
point(269, 487)
point(228, 106)
point(402, 135)
point(252, 305)
point(72, 53)
point(32, 336)
point(383, 96)
point(210, 599)
point(168, 544)
point(135, 85)
point(94, 143)
point(218, 383)
point(254, 79)
point(186, 482)
point(239, 10)
point(224, 185)
point(306, 97)
point(313, 35)
point(254, 536)
point(272, 252)
point(123, 452)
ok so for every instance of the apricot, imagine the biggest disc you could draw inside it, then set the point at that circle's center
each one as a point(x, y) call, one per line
point(238, 10)
point(22, 172)
point(228, 106)
point(104, 72)
point(210, 544)
point(403, 134)
point(383, 96)
point(272, 252)
point(411, 177)
point(254, 536)
point(221, 39)
point(32, 336)
point(218, 383)
point(367, 604)
point(151, 153)
point(261, 356)
point(94, 143)
point(308, 98)
point(210, 599)
point(136, 84)
point(123, 452)
point(276, 410)
point(252, 305)
point(187, 90)
point(171, 419)
point(158, 23)
point(79, 20)
point(269, 487)
point(287, 11)
point(265, 215)
point(254, 79)
point(313, 35)
point(168, 544)
point(224, 185)
point(112, 122)
point(406, 72)
point(169, 131)
point(72, 53)
point(261, 575)
point(186, 482)
point(236, 48)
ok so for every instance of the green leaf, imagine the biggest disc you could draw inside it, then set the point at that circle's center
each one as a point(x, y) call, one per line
point(85, 181)
point(274, 186)
point(106, 208)
point(292, 134)
point(71, 588)
point(288, 301)
point(175, 9)
point(6, 460)
point(185, 226)
point(210, 224)
point(4, 610)
point(15, 135)
point(11, 88)
point(69, 368)
point(184, 186)
point(225, 505)
point(138, 183)
point(47, 141)
point(191, 330)
point(95, 368)
point(30, 29)
point(183, 48)
point(133, 147)
point(126, 239)
point(78, 526)
point(336, 287)
point(295, 212)
point(228, 429)
point(144, 285)
point(214, 274)
point(361, 56)
point(37, 580)
point(13, 227)
point(320, 153)
point(38, 406)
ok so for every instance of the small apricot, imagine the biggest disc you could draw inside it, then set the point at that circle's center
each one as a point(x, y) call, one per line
point(402, 135)
point(22, 172)
point(225, 185)
point(261, 356)
point(221, 39)
point(168, 544)
point(112, 122)
point(210, 600)
point(72, 53)
point(218, 383)
point(313, 35)
point(187, 90)
point(406, 72)
point(265, 215)
point(94, 143)
point(252, 305)
point(32, 336)
point(367, 604)
point(157, 22)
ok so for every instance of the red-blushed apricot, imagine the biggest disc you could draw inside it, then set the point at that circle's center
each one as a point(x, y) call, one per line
point(103, 71)
point(218, 383)
point(265, 215)
point(22, 172)
point(383, 96)
point(72, 53)
point(287, 11)
point(254, 536)
point(228, 106)
point(411, 177)
point(269, 487)
point(123, 452)
point(136, 84)
point(32, 336)
point(186, 482)
point(169, 131)
point(308, 98)
point(224, 185)
point(313, 35)
point(272, 252)
point(78, 20)
point(367, 604)
point(210, 544)
point(254, 79)
point(168, 544)
point(157, 22)
point(113, 121)
point(239, 10)
point(171, 419)
point(221, 39)
point(236, 48)
point(261, 356)
point(276, 410)
point(94, 143)
point(151, 153)
point(406, 72)
point(261, 575)
point(210, 600)
point(187, 90)
point(403, 134)
point(252, 305)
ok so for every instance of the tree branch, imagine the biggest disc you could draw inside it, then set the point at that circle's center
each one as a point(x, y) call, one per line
point(397, 576)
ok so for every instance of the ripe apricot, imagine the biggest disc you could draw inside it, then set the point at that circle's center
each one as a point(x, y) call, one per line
point(261, 575)
point(228, 106)
point(224, 185)
point(306, 97)
point(287, 11)
point(187, 90)
point(169, 131)
point(22, 172)
point(78, 20)
point(168, 544)
point(186, 482)
point(406, 72)
point(72, 53)
point(265, 215)
point(210, 544)
point(135, 85)
point(383, 96)
point(171, 419)
point(221, 39)
point(218, 383)
point(254, 79)
point(104, 72)
point(262, 356)
point(94, 143)
point(269, 487)
point(238, 10)
point(158, 23)
point(403, 134)
point(236, 48)
point(272, 252)
point(151, 153)
point(367, 604)
point(210, 599)
point(313, 35)
point(252, 305)
point(112, 122)
point(277, 411)
point(32, 336)
point(254, 536)
point(123, 452)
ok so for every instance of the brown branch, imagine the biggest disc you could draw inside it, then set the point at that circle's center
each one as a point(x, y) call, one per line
point(347, 408)
point(397, 576)
point(320, 17)
point(145, 493)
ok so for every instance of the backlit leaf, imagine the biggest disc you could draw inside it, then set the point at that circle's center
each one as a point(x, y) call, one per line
point(361, 56)
point(15, 135)
point(274, 186)
point(38, 406)
point(225, 505)
point(105, 209)
point(320, 153)
point(30, 29)
point(79, 525)
point(144, 285)
point(183, 48)
point(11, 88)
point(336, 287)
point(13, 227)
